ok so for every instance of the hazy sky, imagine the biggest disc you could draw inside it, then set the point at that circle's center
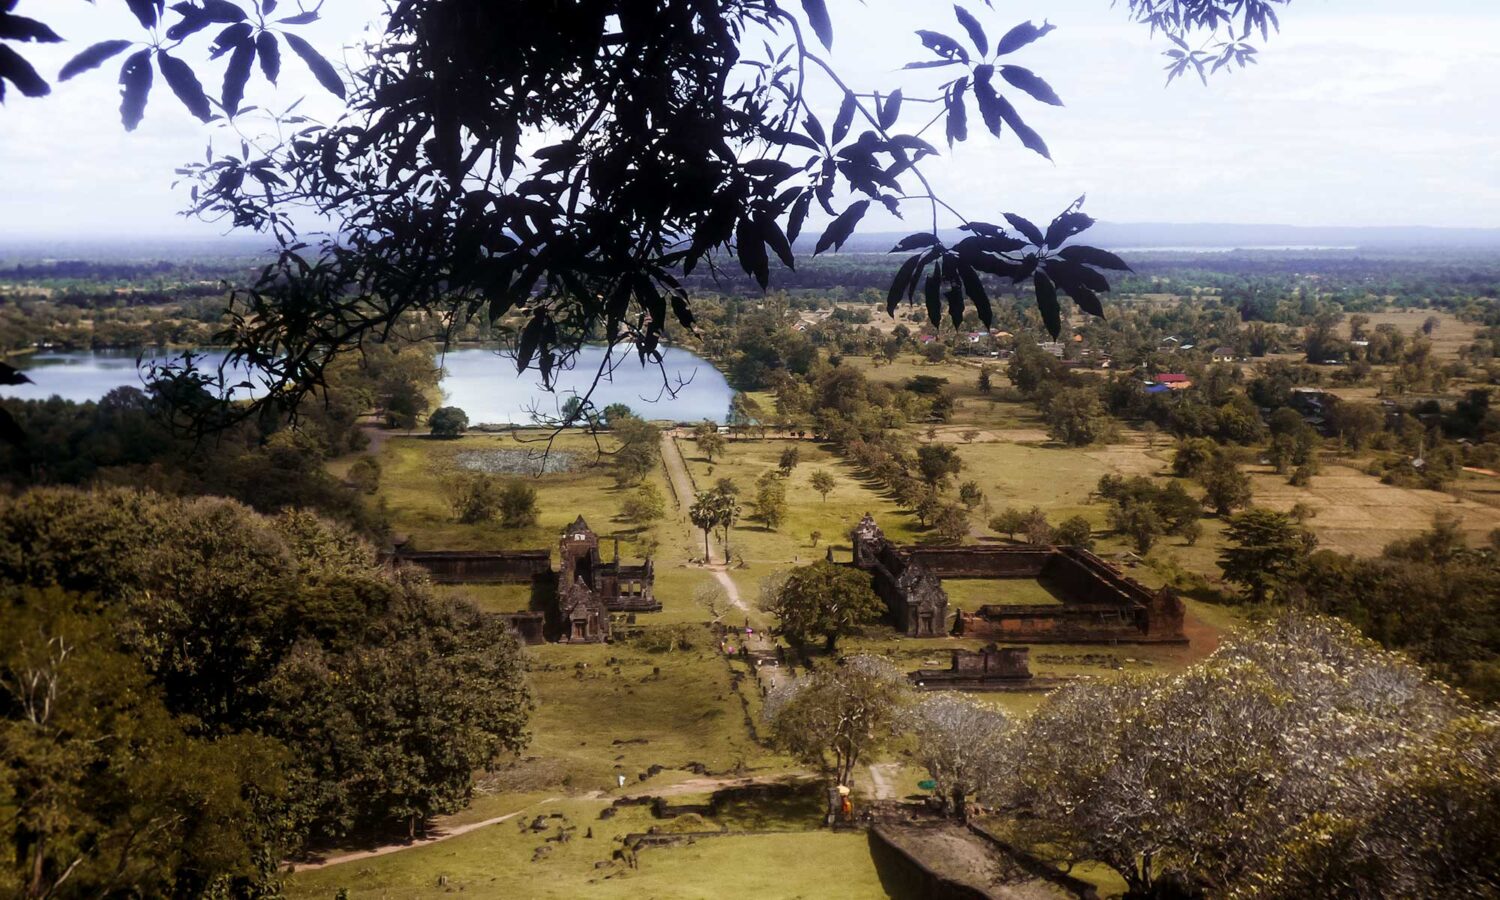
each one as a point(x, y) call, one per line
point(1362, 112)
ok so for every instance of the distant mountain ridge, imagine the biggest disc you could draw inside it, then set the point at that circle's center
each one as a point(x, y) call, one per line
point(1147, 235)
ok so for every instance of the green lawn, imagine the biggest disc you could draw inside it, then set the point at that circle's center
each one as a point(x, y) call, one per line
point(968, 593)
point(500, 861)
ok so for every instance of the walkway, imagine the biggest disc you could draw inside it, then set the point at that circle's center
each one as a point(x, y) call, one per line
point(682, 486)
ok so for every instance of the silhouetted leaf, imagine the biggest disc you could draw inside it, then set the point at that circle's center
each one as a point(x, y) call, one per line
point(817, 16)
point(270, 55)
point(902, 282)
point(193, 21)
point(18, 71)
point(531, 337)
point(1020, 36)
point(814, 129)
point(135, 76)
point(1029, 82)
point(223, 11)
point(1029, 139)
point(776, 239)
point(91, 58)
point(236, 74)
point(974, 287)
point(931, 64)
point(147, 11)
point(839, 230)
point(971, 25)
point(891, 110)
point(752, 253)
point(988, 100)
point(11, 375)
point(913, 241)
point(943, 45)
point(932, 291)
point(1093, 256)
point(1046, 302)
point(1032, 233)
point(1080, 283)
point(20, 28)
point(321, 69)
point(844, 119)
point(798, 215)
point(184, 84)
point(231, 37)
point(1065, 226)
point(306, 18)
point(958, 115)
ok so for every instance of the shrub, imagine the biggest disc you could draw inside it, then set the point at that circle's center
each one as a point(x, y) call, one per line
point(448, 422)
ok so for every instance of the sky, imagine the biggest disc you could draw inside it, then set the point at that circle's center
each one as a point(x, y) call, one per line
point(1361, 112)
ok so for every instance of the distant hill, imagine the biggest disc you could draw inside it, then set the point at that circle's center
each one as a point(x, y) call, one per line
point(1146, 235)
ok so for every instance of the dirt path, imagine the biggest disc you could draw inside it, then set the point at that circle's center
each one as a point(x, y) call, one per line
point(682, 485)
point(883, 789)
point(435, 837)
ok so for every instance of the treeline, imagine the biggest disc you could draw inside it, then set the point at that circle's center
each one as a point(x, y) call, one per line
point(192, 691)
point(142, 438)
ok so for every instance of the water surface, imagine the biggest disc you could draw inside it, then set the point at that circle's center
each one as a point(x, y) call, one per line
point(483, 383)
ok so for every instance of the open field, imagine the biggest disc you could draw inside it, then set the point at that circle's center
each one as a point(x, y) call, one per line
point(968, 593)
point(1357, 514)
point(500, 862)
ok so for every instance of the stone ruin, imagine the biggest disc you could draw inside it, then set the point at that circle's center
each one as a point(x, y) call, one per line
point(1098, 603)
point(586, 588)
point(992, 668)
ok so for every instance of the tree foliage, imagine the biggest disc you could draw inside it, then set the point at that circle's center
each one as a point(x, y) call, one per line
point(284, 628)
point(824, 600)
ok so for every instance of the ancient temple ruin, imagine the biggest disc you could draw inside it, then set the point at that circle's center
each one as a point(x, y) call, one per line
point(1096, 602)
point(991, 668)
point(575, 601)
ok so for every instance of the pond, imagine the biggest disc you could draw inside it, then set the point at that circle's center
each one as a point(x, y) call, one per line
point(483, 383)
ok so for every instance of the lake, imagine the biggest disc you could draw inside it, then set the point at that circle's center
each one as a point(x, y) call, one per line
point(483, 383)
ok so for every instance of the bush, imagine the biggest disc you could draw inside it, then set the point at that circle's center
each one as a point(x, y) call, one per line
point(1074, 532)
point(518, 505)
point(448, 422)
point(473, 496)
point(364, 475)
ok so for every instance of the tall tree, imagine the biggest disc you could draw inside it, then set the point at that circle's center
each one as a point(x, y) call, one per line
point(824, 600)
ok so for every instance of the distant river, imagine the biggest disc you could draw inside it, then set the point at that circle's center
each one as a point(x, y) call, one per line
point(482, 383)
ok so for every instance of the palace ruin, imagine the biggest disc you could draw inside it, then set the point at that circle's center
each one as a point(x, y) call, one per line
point(584, 590)
point(1096, 602)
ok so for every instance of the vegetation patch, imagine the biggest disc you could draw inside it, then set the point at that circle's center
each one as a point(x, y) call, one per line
point(516, 462)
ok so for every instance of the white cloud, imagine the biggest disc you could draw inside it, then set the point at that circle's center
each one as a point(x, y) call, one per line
point(1361, 112)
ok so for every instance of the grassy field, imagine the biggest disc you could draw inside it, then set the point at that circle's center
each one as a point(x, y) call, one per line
point(415, 469)
point(968, 593)
point(509, 860)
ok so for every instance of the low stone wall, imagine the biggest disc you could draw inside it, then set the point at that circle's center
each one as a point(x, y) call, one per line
point(480, 566)
point(983, 562)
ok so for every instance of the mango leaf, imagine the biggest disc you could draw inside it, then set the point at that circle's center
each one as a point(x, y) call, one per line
point(1029, 139)
point(974, 287)
point(817, 16)
point(147, 11)
point(321, 69)
point(15, 69)
point(776, 239)
point(958, 115)
point(1029, 82)
point(988, 100)
point(914, 241)
point(891, 110)
point(1065, 226)
point(752, 252)
point(944, 46)
point(91, 58)
point(236, 74)
point(933, 289)
point(902, 282)
point(844, 119)
point(135, 76)
point(839, 230)
point(1093, 256)
point(971, 25)
point(269, 53)
point(184, 84)
point(1020, 36)
point(1031, 232)
point(1046, 302)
